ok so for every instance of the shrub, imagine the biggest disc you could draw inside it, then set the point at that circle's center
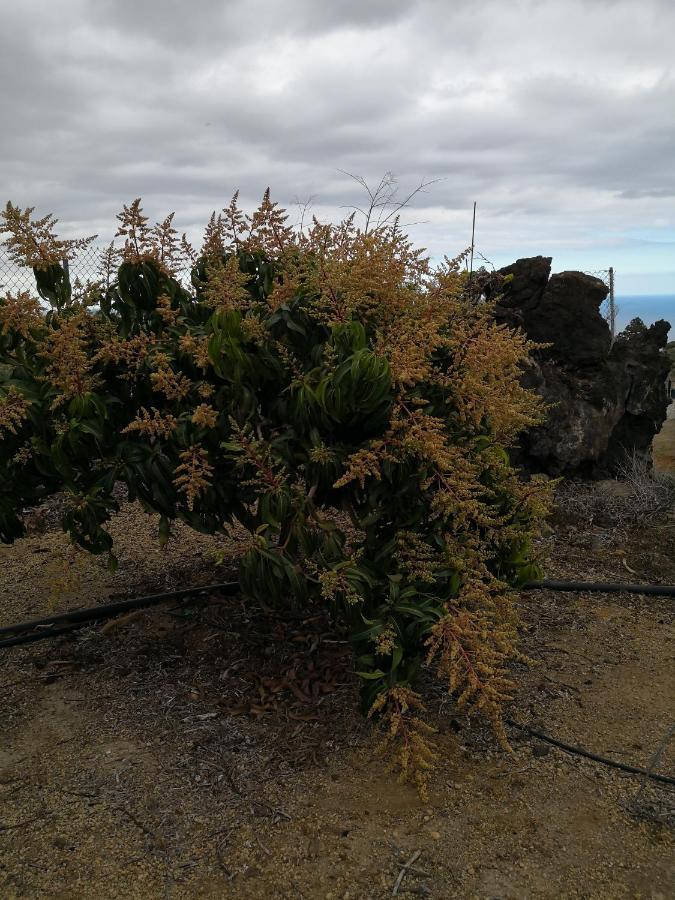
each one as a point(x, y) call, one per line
point(638, 496)
point(301, 373)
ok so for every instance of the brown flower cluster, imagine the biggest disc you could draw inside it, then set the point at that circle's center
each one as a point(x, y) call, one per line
point(415, 557)
point(471, 646)
point(165, 311)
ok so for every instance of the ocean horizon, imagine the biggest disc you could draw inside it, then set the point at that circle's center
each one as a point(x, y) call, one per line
point(648, 307)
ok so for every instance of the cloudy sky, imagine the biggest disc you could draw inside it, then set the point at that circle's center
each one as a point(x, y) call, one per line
point(558, 118)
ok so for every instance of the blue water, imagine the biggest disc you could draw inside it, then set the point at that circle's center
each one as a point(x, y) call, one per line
point(648, 307)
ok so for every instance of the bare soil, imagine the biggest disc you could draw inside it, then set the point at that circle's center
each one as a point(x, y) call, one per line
point(664, 444)
point(215, 750)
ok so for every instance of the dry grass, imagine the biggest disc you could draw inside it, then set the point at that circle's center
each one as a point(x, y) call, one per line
point(637, 496)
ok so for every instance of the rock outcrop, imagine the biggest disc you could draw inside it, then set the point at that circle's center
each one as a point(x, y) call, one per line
point(606, 400)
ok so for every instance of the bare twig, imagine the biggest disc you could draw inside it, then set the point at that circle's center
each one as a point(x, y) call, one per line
point(303, 207)
point(404, 871)
point(656, 756)
point(383, 196)
point(21, 824)
point(264, 849)
point(144, 828)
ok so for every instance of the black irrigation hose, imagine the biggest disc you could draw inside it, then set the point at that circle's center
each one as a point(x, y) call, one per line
point(81, 617)
point(41, 635)
point(658, 590)
point(26, 633)
point(579, 751)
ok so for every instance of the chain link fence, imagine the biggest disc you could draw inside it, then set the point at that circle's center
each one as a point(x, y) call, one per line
point(89, 266)
point(608, 309)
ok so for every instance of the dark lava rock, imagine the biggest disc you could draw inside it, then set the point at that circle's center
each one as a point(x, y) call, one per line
point(568, 315)
point(605, 401)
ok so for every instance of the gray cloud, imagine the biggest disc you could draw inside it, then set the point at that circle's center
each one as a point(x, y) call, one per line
point(557, 117)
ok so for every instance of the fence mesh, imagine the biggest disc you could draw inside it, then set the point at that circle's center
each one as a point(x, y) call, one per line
point(89, 266)
point(606, 307)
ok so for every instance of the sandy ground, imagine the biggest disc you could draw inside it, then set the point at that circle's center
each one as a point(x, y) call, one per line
point(211, 750)
point(664, 444)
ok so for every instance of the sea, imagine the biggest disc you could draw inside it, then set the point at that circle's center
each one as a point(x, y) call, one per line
point(648, 307)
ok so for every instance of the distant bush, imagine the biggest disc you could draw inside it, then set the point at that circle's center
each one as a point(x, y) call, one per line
point(301, 373)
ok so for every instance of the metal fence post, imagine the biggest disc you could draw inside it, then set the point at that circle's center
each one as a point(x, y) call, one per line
point(612, 307)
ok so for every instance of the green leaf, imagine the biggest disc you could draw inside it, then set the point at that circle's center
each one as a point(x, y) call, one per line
point(371, 676)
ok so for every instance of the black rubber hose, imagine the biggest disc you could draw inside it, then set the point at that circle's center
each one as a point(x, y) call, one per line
point(657, 590)
point(579, 751)
point(81, 617)
point(42, 635)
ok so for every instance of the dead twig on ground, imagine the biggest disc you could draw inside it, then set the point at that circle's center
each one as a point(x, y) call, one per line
point(22, 824)
point(144, 828)
point(660, 811)
point(404, 871)
point(264, 849)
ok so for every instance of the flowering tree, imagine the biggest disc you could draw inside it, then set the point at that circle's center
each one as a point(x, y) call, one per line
point(303, 373)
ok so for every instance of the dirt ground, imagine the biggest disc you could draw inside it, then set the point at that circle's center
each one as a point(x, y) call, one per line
point(664, 444)
point(212, 751)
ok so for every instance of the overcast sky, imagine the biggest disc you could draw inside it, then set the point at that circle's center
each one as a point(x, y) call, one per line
point(558, 118)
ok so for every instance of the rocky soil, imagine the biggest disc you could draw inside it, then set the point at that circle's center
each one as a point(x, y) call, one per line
point(214, 750)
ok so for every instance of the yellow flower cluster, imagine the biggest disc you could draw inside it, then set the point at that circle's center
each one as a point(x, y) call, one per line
point(415, 557)
point(152, 423)
point(174, 385)
point(32, 242)
point(13, 410)
point(255, 453)
point(405, 740)
point(130, 352)
point(197, 348)
point(166, 312)
point(20, 314)
point(193, 475)
point(226, 285)
point(335, 585)
point(205, 416)
point(65, 350)
point(254, 329)
point(385, 641)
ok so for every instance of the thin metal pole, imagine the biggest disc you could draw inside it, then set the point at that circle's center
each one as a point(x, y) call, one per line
point(473, 236)
point(612, 307)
